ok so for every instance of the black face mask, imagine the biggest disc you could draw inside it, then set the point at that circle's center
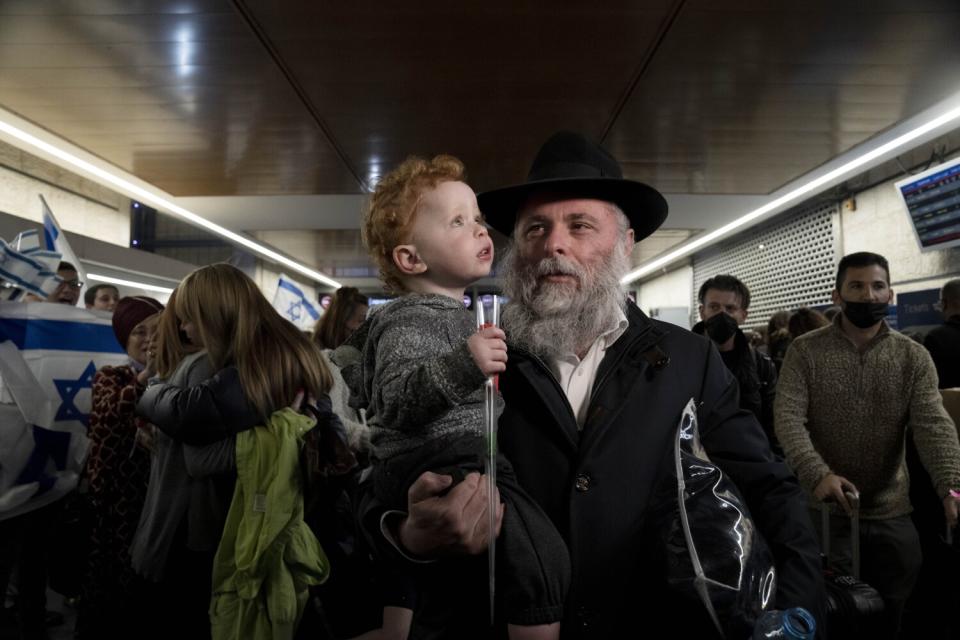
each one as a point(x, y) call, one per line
point(721, 327)
point(864, 314)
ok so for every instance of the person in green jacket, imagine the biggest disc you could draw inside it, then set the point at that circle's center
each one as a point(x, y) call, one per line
point(267, 557)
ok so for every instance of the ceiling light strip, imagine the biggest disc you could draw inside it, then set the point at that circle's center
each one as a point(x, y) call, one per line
point(159, 202)
point(128, 283)
point(113, 267)
point(791, 197)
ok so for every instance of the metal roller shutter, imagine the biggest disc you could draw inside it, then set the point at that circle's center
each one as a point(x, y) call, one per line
point(788, 262)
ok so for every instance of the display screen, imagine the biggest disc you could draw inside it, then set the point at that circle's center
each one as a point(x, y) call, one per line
point(932, 199)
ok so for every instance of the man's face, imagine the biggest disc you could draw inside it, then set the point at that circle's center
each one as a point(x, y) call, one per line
point(106, 299)
point(716, 301)
point(582, 232)
point(68, 292)
point(864, 284)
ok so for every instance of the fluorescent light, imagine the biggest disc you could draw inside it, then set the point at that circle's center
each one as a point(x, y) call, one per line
point(128, 270)
point(795, 195)
point(156, 198)
point(128, 283)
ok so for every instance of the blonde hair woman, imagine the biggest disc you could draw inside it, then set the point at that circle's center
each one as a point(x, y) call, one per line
point(263, 360)
point(261, 363)
point(223, 307)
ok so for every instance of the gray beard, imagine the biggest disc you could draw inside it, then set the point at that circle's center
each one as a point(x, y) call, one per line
point(553, 319)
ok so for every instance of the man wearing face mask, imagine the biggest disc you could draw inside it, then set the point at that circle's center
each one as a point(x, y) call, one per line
point(848, 394)
point(724, 304)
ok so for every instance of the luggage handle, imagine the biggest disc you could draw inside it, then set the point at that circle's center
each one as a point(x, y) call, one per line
point(854, 500)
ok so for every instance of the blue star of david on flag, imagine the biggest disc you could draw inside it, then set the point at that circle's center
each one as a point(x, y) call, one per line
point(295, 310)
point(292, 303)
point(49, 356)
point(68, 392)
point(49, 445)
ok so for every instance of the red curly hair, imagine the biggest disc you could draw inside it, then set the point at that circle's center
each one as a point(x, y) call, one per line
point(393, 209)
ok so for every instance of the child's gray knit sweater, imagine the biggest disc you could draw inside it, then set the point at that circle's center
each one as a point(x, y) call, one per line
point(415, 376)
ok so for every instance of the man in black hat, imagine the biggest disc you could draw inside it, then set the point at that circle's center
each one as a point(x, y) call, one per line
point(594, 390)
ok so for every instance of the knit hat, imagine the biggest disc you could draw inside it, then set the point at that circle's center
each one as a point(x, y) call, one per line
point(130, 312)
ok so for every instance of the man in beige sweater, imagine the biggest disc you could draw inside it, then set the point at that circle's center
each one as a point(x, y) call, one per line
point(848, 395)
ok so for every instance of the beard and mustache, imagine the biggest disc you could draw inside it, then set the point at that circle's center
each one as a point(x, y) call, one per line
point(551, 319)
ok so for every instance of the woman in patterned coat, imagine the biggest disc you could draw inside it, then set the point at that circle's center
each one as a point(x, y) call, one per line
point(117, 473)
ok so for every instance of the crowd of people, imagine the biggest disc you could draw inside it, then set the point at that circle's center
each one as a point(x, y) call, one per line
point(246, 480)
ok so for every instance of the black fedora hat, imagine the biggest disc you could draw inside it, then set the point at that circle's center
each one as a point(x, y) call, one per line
point(571, 165)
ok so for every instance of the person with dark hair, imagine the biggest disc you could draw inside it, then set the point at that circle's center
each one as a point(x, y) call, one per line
point(849, 394)
point(778, 321)
point(943, 342)
point(860, 260)
point(101, 296)
point(726, 284)
point(940, 562)
point(67, 292)
point(346, 312)
point(778, 337)
point(804, 320)
point(724, 304)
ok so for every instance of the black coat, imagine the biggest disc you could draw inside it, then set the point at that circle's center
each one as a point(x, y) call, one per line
point(215, 409)
point(596, 484)
point(943, 343)
point(756, 375)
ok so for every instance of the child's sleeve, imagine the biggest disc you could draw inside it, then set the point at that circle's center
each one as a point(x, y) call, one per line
point(419, 375)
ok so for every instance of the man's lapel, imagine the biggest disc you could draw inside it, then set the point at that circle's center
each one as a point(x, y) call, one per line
point(556, 402)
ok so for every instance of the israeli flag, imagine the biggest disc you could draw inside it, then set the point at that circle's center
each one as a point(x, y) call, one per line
point(25, 267)
point(292, 304)
point(49, 354)
point(55, 241)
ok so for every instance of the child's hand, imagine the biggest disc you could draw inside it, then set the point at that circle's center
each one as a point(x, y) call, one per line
point(301, 399)
point(145, 437)
point(489, 350)
point(150, 368)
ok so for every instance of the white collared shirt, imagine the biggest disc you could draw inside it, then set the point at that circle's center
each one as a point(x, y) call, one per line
point(577, 376)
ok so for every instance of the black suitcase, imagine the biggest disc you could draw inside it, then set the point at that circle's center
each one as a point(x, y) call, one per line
point(854, 608)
